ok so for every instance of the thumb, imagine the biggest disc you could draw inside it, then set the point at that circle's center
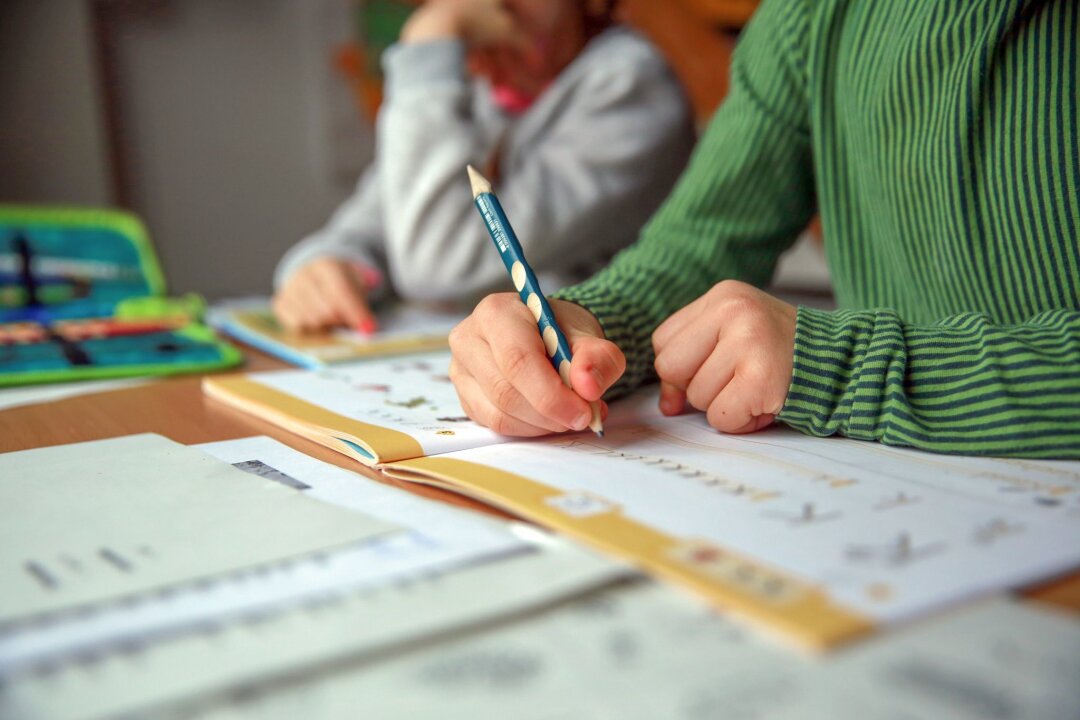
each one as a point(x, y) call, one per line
point(596, 365)
point(597, 362)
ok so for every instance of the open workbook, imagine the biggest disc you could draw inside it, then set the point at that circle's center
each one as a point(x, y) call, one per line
point(402, 329)
point(819, 540)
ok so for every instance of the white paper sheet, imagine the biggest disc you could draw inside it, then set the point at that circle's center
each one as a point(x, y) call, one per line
point(95, 522)
point(430, 538)
point(189, 671)
point(645, 652)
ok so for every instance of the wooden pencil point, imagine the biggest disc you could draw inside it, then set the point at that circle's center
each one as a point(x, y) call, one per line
point(596, 424)
point(479, 183)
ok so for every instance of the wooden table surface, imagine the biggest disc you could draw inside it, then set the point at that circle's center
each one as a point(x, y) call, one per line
point(177, 409)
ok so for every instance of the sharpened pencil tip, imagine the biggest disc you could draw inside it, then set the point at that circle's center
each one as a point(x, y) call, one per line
point(478, 182)
point(596, 424)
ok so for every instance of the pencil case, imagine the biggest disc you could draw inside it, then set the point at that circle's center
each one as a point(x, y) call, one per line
point(82, 295)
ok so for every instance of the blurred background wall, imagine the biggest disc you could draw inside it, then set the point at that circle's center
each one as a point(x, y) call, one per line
point(233, 128)
point(52, 143)
point(234, 132)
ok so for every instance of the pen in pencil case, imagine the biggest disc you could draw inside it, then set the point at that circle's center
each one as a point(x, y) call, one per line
point(525, 282)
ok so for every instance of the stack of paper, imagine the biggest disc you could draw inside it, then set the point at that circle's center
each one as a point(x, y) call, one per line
point(141, 550)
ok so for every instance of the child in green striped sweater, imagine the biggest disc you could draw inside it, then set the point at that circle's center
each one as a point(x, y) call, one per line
point(940, 143)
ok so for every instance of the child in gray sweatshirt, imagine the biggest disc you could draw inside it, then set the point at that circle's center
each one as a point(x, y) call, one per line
point(579, 122)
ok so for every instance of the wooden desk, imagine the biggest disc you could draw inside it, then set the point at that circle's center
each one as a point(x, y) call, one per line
point(177, 409)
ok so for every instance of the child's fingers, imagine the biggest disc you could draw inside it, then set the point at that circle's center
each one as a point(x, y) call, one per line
point(317, 309)
point(680, 358)
point(286, 313)
point(339, 285)
point(596, 365)
point(496, 404)
point(517, 360)
point(738, 408)
point(672, 399)
point(711, 378)
point(358, 313)
point(675, 324)
point(353, 311)
point(522, 360)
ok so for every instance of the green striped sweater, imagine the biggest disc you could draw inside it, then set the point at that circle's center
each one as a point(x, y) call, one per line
point(939, 140)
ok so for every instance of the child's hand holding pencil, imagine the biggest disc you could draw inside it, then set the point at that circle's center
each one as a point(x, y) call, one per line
point(522, 400)
point(505, 380)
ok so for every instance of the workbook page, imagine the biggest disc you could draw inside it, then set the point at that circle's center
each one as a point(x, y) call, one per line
point(885, 533)
point(411, 395)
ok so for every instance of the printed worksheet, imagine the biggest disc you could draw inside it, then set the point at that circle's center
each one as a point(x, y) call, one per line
point(373, 411)
point(822, 539)
point(177, 674)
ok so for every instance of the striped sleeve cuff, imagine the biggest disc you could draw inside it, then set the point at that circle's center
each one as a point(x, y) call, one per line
point(844, 361)
point(960, 385)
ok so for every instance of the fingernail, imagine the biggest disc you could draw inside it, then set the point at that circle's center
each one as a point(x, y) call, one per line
point(582, 421)
point(366, 326)
point(598, 377)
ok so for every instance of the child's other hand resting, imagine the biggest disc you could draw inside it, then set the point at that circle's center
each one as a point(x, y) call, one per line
point(324, 293)
point(730, 354)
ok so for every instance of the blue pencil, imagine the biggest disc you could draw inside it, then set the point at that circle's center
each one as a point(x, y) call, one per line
point(525, 282)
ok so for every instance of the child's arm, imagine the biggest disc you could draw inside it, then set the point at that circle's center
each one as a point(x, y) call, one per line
point(331, 277)
point(960, 385)
point(353, 234)
point(746, 195)
point(602, 158)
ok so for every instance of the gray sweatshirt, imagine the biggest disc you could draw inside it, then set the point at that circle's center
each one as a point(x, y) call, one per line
point(580, 171)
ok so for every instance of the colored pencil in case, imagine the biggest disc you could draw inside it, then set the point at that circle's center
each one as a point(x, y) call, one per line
point(513, 257)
